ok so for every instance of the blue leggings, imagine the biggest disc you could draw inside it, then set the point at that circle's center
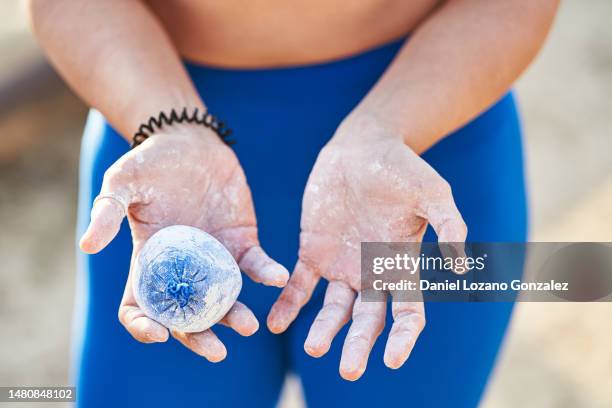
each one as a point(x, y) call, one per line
point(281, 119)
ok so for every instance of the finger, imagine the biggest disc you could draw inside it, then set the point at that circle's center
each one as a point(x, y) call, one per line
point(408, 323)
point(243, 244)
point(292, 298)
point(140, 326)
point(263, 269)
point(336, 312)
point(134, 320)
point(368, 322)
point(241, 319)
point(109, 209)
point(446, 220)
point(205, 344)
point(106, 217)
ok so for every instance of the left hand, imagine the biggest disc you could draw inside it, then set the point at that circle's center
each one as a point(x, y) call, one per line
point(366, 185)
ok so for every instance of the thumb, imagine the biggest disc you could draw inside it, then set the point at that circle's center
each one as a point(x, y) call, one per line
point(448, 224)
point(108, 211)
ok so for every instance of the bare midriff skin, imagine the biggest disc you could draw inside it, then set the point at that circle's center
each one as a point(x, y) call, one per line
point(231, 33)
point(369, 183)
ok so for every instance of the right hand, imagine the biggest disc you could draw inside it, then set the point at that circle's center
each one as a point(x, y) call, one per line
point(182, 175)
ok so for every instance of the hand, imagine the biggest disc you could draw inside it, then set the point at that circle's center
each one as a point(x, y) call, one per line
point(182, 175)
point(370, 189)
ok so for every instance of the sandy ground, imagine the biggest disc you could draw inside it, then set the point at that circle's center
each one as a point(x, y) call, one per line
point(556, 355)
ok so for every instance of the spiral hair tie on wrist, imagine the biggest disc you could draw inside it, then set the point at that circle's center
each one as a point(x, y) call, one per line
point(196, 117)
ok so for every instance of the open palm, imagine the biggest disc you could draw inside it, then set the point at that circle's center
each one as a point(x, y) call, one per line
point(183, 176)
point(380, 191)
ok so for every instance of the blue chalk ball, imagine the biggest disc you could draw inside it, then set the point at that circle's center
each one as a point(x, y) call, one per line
point(185, 279)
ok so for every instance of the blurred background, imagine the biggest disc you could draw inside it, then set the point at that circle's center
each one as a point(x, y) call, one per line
point(556, 355)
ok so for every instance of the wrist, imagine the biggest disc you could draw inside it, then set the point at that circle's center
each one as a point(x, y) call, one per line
point(186, 135)
point(196, 117)
point(364, 128)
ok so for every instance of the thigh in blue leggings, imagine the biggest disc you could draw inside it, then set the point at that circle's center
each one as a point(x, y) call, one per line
point(282, 118)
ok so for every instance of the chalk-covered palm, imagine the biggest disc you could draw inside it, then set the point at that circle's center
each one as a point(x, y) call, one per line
point(378, 190)
point(182, 175)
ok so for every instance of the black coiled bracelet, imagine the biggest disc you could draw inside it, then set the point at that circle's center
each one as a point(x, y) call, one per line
point(196, 117)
